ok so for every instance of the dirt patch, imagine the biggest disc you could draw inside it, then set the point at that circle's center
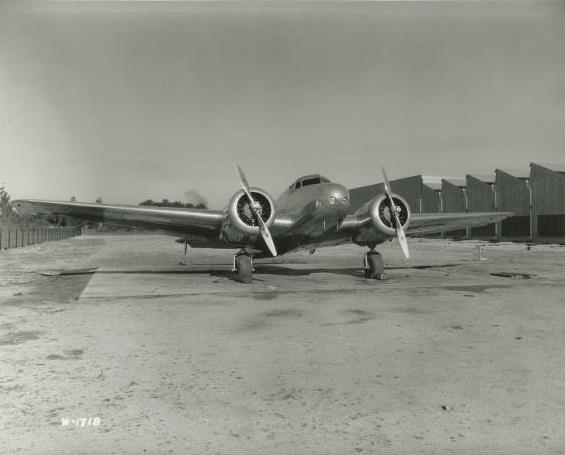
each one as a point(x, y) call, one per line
point(263, 320)
point(265, 295)
point(513, 275)
point(70, 354)
point(55, 357)
point(20, 337)
point(476, 288)
point(283, 314)
point(411, 310)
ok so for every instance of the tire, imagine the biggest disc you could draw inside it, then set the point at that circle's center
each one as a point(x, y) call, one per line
point(376, 268)
point(243, 269)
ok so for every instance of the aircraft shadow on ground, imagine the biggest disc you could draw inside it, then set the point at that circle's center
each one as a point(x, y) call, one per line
point(224, 270)
point(289, 271)
point(284, 271)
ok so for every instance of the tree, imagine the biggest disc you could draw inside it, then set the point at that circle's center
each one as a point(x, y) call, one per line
point(6, 209)
point(167, 203)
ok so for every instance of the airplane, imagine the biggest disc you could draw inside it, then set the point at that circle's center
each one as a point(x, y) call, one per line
point(311, 213)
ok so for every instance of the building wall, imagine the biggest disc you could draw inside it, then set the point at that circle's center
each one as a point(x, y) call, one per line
point(409, 188)
point(453, 197)
point(431, 201)
point(509, 193)
point(513, 195)
point(548, 202)
point(481, 198)
point(363, 194)
point(453, 201)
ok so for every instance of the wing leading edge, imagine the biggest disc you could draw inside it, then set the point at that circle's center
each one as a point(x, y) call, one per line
point(174, 221)
point(429, 223)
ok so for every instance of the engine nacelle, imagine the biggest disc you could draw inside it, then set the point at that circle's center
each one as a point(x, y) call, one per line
point(241, 224)
point(383, 224)
point(382, 216)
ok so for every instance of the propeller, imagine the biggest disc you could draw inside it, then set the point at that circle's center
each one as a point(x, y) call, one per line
point(399, 230)
point(256, 209)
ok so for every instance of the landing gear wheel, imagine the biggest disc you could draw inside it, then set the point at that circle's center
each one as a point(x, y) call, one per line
point(374, 265)
point(243, 268)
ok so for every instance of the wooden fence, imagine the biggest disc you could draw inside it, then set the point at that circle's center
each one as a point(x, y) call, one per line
point(13, 237)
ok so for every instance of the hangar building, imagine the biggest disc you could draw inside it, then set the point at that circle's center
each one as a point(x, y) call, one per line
point(454, 199)
point(421, 192)
point(548, 200)
point(481, 197)
point(513, 194)
point(536, 196)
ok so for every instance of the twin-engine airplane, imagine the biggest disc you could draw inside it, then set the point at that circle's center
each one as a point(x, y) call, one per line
point(313, 212)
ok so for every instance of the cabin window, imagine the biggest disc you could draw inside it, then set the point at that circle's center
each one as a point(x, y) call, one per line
point(297, 185)
point(312, 181)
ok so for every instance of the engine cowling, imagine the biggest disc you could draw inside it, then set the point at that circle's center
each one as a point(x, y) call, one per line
point(241, 223)
point(382, 216)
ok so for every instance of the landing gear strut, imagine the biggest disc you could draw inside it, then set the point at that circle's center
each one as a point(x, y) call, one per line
point(243, 267)
point(373, 265)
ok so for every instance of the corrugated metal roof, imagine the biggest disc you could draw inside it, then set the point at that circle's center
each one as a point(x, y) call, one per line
point(431, 181)
point(518, 173)
point(461, 183)
point(556, 167)
point(486, 178)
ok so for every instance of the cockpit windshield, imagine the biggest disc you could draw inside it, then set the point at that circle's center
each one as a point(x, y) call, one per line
point(312, 181)
point(307, 181)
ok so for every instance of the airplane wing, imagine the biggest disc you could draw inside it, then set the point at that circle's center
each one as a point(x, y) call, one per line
point(200, 224)
point(362, 228)
point(201, 228)
point(429, 223)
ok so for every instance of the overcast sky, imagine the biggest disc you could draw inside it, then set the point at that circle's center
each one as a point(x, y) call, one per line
point(137, 100)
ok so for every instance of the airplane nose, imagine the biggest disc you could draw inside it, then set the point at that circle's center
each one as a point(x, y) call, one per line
point(338, 197)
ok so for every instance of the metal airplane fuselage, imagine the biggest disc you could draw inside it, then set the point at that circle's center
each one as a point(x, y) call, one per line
point(317, 212)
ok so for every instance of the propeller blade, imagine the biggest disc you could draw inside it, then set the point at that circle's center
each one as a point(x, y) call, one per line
point(244, 185)
point(402, 239)
point(267, 236)
point(263, 229)
point(399, 229)
point(387, 185)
